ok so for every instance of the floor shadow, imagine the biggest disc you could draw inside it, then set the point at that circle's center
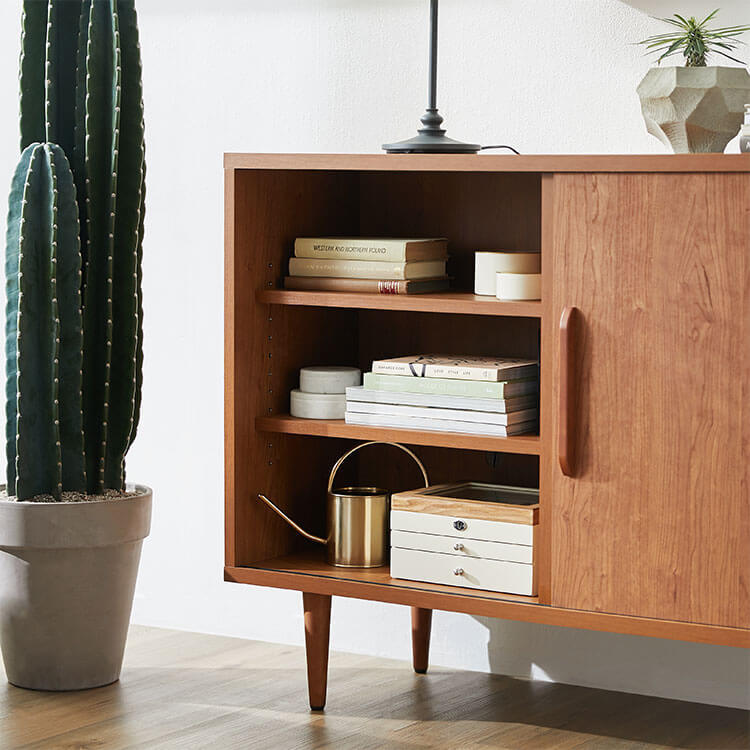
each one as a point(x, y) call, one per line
point(444, 700)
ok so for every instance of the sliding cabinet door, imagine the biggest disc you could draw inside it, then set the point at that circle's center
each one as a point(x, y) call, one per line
point(649, 380)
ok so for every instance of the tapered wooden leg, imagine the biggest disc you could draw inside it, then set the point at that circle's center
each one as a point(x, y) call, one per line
point(317, 631)
point(421, 624)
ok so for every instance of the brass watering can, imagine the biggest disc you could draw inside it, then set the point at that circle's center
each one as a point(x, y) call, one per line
point(357, 520)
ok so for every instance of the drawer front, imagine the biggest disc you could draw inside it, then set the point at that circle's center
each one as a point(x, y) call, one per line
point(448, 545)
point(463, 528)
point(469, 572)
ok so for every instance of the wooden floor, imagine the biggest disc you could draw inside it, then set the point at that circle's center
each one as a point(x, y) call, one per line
point(183, 690)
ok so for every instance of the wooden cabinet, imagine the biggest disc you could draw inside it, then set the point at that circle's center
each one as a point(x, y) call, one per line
point(655, 519)
point(643, 334)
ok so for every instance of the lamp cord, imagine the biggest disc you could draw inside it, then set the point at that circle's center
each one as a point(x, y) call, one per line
point(510, 148)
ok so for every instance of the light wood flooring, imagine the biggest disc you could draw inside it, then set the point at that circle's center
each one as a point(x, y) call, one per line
point(184, 690)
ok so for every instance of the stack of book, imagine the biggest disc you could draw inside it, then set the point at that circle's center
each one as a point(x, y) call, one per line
point(476, 395)
point(379, 266)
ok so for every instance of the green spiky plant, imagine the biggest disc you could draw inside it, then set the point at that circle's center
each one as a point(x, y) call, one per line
point(695, 40)
point(74, 248)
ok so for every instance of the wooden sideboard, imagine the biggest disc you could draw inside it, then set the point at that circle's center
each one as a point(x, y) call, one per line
point(643, 335)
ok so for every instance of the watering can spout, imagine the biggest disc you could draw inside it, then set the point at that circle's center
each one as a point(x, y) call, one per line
point(295, 526)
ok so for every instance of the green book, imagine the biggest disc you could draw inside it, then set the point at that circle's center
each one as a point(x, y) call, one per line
point(447, 387)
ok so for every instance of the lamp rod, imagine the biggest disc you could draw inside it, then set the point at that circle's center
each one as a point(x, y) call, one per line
point(432, 95)
point(431, 138)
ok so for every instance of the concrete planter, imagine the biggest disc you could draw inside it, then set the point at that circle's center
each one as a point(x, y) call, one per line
point(694, 110)
point(67, 577)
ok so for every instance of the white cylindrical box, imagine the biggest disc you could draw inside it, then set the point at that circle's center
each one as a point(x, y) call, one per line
point(489, 263)
point(514, 287)
point(317, 405)
point(328, 379)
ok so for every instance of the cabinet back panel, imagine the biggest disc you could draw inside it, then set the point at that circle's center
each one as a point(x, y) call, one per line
point(385, 334)
point(266, 345)
point(475, 211)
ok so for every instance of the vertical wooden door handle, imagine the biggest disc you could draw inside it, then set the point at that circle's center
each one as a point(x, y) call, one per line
point(566, 438)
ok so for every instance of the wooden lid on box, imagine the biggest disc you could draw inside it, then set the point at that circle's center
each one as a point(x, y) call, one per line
point(473, 500)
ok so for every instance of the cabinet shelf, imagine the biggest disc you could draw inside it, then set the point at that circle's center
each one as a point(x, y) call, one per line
point(308, 571)
point(337, 428)
point(461, 303)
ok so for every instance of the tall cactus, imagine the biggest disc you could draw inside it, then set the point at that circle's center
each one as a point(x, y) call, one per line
point(81, 88)
point(43, 328)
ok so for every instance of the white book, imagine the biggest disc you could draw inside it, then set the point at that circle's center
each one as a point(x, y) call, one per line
point(439, 425)
point(490, 369)
point(496, 406)
point(429, 412)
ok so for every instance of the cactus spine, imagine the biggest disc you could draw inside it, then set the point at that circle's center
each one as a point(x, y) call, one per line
point(81, 88)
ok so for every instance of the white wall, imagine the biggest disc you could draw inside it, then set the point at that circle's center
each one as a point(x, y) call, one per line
point(345, 76)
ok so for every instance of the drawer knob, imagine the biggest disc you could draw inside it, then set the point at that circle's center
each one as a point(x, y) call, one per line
point(459, 525)
point(458, 546)
point(458, 571)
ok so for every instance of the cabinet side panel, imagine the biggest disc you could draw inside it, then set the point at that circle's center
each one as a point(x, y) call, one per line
point(266, 346)
point(229, 328)
point(547, 406)
point(655, 521)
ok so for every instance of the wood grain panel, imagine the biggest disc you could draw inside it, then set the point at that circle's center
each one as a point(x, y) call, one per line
point(475, 211)
point(390, 334)
point(655, 522)
point(265, 347)
point(666, 163)
point(309, 572)
point(547, 411)
point(523, 444)
point(455, 303)
point(445, 506)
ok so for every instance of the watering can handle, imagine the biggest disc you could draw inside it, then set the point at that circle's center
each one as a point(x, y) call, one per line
point(346, 455)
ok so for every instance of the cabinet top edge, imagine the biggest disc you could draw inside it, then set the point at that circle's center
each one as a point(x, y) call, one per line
point(493, 162)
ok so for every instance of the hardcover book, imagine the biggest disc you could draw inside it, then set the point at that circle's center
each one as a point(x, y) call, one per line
point(371, 248)
point(446, 387)
point(367, 286)
point(366, 269)
point(457, 368)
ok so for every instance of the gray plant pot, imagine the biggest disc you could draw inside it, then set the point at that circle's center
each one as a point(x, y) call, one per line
point(67, 577)
point(694, 110)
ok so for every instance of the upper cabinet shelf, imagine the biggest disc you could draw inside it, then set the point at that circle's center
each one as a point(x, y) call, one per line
point(338, 428)
point(445, 302)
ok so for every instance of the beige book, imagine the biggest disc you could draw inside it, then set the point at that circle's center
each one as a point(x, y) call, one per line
point(366, 269)
point(371, 248)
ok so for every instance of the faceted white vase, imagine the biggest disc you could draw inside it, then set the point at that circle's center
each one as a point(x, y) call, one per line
point(694, 110)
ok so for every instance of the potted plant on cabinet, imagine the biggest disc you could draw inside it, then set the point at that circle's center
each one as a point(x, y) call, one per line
point(70, 530)
point(695, 108)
